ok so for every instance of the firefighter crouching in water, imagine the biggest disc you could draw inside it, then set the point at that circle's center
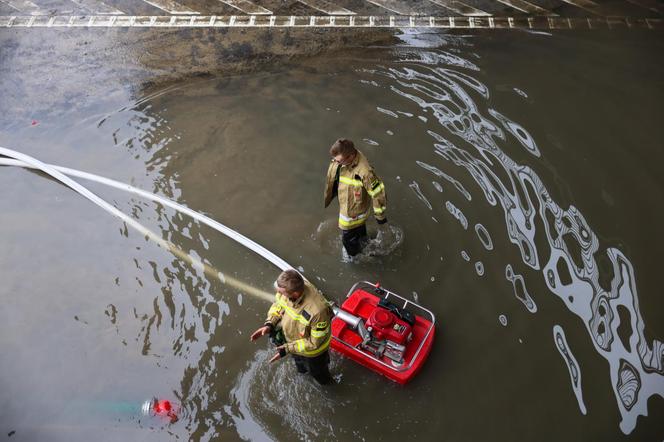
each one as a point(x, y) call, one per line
point(351, 178)
point(299, 324)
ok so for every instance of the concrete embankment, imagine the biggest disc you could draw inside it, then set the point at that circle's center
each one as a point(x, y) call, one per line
point(45, 69)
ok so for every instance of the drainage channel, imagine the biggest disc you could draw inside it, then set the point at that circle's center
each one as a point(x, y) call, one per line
point(392, 21)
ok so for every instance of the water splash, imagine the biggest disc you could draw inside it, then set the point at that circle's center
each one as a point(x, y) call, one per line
point(276, 390)
point(388, 239)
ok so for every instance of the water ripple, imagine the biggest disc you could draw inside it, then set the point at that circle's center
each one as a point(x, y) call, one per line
point(442, 174)
point(569, 258)
point(420, 195)
point(436, 58)
point(277, 390)
point(457, 213)
point(572, 365)
point(518, 131)
point(520, 291)
point(483, 235)
point(387, 112)
point(479, 268)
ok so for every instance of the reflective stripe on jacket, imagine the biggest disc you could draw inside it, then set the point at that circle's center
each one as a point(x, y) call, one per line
point(358, 188)
point(306, 323)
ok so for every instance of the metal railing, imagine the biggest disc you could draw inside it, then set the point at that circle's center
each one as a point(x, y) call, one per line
point(274, 21)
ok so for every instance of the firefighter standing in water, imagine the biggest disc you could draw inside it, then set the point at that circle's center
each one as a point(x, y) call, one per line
point(351, 178)
point(299, 324)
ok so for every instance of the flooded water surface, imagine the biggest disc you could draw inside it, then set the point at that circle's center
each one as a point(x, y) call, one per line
point(525, 208)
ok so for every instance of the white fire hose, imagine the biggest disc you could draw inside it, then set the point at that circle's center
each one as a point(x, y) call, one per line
point(62, 174)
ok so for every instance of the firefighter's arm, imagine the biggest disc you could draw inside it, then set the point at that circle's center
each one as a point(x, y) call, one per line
point(274, 315)
point(331, 183)
point(376, 190)
point(319, 336)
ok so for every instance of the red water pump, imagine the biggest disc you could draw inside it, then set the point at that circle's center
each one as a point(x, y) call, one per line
point(378, 329)
point(388, 334)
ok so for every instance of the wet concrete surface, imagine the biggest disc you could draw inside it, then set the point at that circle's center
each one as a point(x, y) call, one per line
point(42, 67)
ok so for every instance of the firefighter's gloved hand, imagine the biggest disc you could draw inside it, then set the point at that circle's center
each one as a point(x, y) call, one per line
point(381, 221)
point(264, 330)
point(281, 352)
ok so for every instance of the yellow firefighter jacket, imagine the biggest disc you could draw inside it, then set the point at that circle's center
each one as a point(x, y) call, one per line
point(356, 186)
point(306, 322)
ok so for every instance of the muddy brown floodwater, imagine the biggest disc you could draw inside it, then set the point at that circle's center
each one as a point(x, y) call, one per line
point(525, 195)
